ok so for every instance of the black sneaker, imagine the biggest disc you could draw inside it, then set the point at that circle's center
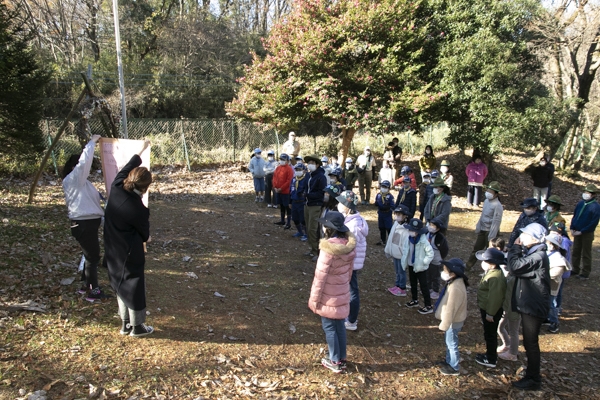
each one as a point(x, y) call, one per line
point(527, 383)
point(425, 310)
point(344, 364)
point(279, 223)
point(141, 330)
point(582, 277)
point(82, 290)
point(333, 366)
point(553, 328)
point(483, 360)
point(126, 328)
point(97, 296)
point(287, 227)
point(448, 370)
point(546, 322)
point(380, 243)
point(412, 303)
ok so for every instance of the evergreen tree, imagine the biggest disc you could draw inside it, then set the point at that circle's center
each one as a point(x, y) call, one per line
point(21, 91)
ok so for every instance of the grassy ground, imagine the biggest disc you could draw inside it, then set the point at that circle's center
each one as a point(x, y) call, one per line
point(260, 340)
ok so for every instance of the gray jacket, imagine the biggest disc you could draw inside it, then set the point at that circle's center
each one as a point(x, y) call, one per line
point(442, 209)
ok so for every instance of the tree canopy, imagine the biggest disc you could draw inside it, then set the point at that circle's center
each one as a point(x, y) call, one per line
point(20, 92)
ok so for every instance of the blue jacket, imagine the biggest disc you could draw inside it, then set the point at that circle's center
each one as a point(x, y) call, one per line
point(410, 200)
point(317, 182)
point(385, 207)
point(586, 216)
point(299, 194)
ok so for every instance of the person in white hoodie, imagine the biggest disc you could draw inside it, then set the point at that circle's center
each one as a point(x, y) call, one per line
point(85, 213)
point(417, 254)
point(360, 229)
point(393, 248)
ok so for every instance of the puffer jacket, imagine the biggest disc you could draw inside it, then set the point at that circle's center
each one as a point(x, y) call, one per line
point(360, 229)
point(531, 269)
point(330, 291)
point(398, 235)
point(525, 220)
point(423, 254)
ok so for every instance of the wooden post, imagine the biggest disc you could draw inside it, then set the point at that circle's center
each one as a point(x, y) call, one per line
point(54, 142)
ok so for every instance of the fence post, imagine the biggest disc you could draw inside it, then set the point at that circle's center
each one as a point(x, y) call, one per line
point(185, 151)
point(233, 137)
point(277, 141)
point(50, 143)
point(410, 146)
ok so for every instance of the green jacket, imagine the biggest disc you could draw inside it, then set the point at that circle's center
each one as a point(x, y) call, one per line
point(491, 292)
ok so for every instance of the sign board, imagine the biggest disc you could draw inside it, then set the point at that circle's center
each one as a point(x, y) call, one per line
point(115, 153)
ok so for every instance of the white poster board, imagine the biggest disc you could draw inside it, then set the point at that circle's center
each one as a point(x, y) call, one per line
point(115, 153)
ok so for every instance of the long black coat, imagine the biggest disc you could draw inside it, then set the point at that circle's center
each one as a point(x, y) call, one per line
point(126, 228)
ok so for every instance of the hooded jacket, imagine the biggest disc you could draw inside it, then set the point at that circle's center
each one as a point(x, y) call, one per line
point(256, 166)
point(360, 229)
point(330, 291)
point(423, 254)
point(317, 182)
point(531, 293)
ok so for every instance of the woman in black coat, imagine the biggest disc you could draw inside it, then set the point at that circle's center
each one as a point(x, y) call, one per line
point(126, 228)
point(528, 263)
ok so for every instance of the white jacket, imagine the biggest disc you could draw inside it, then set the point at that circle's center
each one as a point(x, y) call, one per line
point(423, 254)
point(82, 198)
point(360, 229)
point(398, 235)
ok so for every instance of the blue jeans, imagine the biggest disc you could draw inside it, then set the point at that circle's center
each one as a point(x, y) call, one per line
point(335, 335)
point(559, 295)
point(400, 274)
point(354, 298)
point(452, 355)
point(553, 314)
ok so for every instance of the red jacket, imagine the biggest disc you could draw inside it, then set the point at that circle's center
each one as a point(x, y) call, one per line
point(282, 178)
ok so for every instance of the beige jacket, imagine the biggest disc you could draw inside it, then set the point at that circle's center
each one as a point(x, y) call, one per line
point(453, 306)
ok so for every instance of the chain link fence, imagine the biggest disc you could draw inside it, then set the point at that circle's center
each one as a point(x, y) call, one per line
point(196, 142)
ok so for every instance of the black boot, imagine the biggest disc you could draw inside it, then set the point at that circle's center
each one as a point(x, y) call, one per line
point(141, 330)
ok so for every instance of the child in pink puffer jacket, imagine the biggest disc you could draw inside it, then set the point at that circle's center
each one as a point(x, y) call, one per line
point(330, 292)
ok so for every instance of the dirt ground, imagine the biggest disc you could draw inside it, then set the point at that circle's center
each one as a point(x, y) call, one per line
point(227, 293)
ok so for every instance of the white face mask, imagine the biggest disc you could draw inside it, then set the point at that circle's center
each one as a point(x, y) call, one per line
point(436, 190)
point(427, 181)
point(384, 190)
point(542, 163)
point(413, 234)
point(549, 208)
point(444, 169)
point(400, 218)
point(432, 229)
point(333, 179)
point(258, 155)
point(428, 151)
point(485, 266)
point(282, 162)
point(586, 196)
point(529, 213)
point(489, 196)
point(271, 158)
point(299, 174)
point(311, 167)
point(445, 276)
point(342, 208)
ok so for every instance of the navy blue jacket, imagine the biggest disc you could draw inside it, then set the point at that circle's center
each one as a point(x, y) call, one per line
point(410, 200)
point(317, 182)
point(586, 216)
point(385, 207)
point(299, 195)
point(525, 220)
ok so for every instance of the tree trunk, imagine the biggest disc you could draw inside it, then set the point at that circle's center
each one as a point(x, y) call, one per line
point(347, 136)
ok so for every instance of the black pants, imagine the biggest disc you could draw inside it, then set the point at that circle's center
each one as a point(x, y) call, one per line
point(474, 194)
point(86, 234)
point(490, 334)
point(269, 192)
point(421, 277)
point(383, 234)
point(531, 332)
point(433, 277)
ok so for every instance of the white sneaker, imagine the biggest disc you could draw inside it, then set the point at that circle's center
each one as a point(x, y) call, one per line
point(351, 326)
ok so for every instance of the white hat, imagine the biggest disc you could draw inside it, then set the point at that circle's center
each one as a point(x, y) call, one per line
point(292, 133)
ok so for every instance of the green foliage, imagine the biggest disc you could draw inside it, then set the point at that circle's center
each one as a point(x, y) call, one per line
point(20, 91)
point(356, 62)
point(495, 98)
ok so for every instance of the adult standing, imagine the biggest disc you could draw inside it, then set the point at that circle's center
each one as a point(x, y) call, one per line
point(584, 223)
point(269, 168)
point(291, 147)
point(126, 229)
point(529, 264)
point(446, 174)
point(439, 204)
point(427, 162)
point(553, 169)
point(365, 164)
point(388, 157)
point(476, 172)
point(541, 174)
point(315, 195)
point(85, 213)
point(488, 225)
point(347, 202)
point(350, 173)
point(531, 213)
point(397, 151)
